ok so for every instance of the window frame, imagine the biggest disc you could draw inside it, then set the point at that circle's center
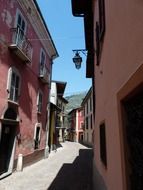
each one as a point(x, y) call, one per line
point(100, 30)
point(37, 144)
point(44, 64)
point(82, 125)
point(103, 150)
point(91, 123)
point(39, 104)
point(11, 71)
point(18, 12)
point(101, 6)
point(86, 119)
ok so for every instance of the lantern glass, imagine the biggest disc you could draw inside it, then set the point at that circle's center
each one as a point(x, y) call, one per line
point(77, 60)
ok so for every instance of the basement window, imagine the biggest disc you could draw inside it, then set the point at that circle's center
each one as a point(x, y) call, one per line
point(103, 154)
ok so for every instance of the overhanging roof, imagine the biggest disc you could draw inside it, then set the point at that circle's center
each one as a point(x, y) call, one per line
point(60, 87)
point(54, 107)
point(83, 8)
point(80, 7)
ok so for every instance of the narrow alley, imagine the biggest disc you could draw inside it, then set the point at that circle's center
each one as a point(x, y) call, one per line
point(69, 168)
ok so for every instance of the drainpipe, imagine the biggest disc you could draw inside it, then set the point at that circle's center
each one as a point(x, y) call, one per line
point(48, 119)
point(47, 131)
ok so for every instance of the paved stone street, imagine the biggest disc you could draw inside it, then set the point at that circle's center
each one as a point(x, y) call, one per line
point(70, 168)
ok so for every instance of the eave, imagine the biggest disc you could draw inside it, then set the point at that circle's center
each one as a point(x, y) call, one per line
point(83, 8)
point(80, 7)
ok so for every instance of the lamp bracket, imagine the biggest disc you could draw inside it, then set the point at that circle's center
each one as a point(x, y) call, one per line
point(84, 51)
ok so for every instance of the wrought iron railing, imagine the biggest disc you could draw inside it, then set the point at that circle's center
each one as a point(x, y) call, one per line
point(21, 41)
point(44, 72)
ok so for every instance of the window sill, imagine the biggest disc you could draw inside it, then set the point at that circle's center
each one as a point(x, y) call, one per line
point(39, 113)
point(13, 103)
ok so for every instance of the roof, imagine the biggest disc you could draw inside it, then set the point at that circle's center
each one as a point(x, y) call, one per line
point(64, 100)
point(80, 7)
point(60, 87)
point(54, 107)
point(83, 8)
point(78, 108)
point(86, 97)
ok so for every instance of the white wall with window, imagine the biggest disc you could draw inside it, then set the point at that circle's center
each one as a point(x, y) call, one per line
point(53, 93)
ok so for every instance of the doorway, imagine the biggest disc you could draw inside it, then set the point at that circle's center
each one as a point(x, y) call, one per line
point(6, 146)
point(133, 140)
point(7, 140)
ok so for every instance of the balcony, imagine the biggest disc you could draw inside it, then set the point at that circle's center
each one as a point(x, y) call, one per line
point(20, 45)
point(44, 74)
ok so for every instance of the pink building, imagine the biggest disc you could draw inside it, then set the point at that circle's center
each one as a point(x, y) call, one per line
point(25, 70)
point(76, 123)
point(113, 35)
point(87, 105)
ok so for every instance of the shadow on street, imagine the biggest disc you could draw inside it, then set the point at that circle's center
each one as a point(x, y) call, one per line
point(75, 176)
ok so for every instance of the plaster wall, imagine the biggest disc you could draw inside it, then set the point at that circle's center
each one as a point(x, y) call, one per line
point(30, 83)
point(120, 59)
point(53, 94)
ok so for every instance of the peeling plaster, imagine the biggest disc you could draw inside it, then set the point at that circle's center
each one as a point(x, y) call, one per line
point(12, 3)
point(6, 17)
point(3, 44)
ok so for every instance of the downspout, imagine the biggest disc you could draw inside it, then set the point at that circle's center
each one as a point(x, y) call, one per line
point(47, 148)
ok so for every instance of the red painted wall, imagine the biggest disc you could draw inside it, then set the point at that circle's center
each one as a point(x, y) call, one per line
point(80, 118)
point(30, 82)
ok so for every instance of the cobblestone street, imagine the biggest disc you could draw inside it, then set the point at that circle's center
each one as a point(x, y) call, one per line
point(70, 168)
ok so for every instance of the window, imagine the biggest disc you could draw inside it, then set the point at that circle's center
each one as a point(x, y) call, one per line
point(87, 107)
point(37, 133)
point(100, 29)
point(82, 125)
point(101, 18)
point(13, 84)
point(91, 121)
point(87, 137)
point(39, 101)
point(42, 62)
point(90, 104)
point(103, 155)
point(20, 25)
point(82, 113)
point(86, 122)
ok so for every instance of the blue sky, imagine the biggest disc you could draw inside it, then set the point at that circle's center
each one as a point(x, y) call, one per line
point(67, 33)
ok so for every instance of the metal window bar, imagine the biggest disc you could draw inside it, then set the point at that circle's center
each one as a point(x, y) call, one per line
point(21, 41)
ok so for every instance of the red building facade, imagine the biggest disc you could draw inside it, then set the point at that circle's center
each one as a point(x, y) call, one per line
point(25, 70)
point(76, 123)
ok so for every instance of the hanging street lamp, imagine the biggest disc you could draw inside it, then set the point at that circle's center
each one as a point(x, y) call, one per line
point(77, 59)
